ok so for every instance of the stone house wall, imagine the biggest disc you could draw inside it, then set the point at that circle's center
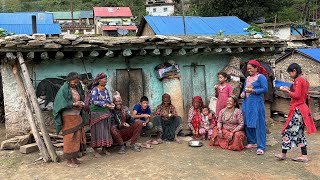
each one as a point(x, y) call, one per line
point(310, 68)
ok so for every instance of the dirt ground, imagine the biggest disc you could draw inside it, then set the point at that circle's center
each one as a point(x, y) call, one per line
point(169, 161)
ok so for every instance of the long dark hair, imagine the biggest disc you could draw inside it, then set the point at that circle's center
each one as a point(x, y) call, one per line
point(295, 67)
point(235, 99)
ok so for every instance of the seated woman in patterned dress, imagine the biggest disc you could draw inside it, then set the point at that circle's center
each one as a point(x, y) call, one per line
point(229, 133)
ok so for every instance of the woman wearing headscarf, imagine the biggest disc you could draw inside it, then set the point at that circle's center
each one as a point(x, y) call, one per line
point(67, 112)
point(194, 115)
point(100, 121)
point(253, 106)
point(167, 122)
point(229, 133)
point(299, 116)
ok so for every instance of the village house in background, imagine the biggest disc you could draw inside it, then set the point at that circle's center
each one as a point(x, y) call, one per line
point(308, 59)
point(111, 21)
point(21, 23)
point(203, 26)
point(160, 7)
point(83, 22)
point(297, 36)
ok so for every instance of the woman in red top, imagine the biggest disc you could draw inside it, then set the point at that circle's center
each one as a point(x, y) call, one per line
point(299, 116)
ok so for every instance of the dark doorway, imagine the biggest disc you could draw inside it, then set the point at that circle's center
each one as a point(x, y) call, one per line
point(130, 86)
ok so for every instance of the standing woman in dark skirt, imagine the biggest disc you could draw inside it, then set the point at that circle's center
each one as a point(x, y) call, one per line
point(299, 116)
point(100, 121)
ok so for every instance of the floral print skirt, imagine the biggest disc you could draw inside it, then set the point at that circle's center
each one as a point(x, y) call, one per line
point(293, 135)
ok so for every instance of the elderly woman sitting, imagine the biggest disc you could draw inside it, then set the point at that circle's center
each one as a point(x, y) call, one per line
point(229, 133)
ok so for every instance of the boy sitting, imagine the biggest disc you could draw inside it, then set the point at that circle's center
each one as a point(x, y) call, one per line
point(142, 112)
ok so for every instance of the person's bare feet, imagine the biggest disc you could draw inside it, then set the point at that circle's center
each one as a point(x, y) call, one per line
point(281, 156)
point(97, 154)
point(177, 140)
point(71, 164)
point(302, 158)
point(76, 161)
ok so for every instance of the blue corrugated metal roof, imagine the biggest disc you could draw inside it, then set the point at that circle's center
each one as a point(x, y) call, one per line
point(27, 28)
point(25, 18)
point(173, 25)
point(312, 52)
point(21, 23)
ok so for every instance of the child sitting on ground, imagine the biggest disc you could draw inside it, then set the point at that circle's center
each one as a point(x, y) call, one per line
point(208, 122)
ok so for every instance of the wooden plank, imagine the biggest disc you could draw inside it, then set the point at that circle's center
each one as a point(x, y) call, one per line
point(187, 88)
point(199, 82)
point(29, 115)
point(135, 87)
point(29, 148)
point(122, 85)
point(58, 145)
point(35, 105)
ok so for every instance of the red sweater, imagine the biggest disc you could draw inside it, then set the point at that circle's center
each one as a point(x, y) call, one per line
point(298, 96)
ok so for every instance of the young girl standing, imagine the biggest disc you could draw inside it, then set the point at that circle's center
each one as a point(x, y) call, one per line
point(299, 116)
point(222, 91)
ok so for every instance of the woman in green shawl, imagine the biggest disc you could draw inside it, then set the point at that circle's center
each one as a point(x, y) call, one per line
point(67, 111)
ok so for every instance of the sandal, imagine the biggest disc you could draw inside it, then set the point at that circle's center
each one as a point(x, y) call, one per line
point(153, 142)
point(260, 152)
point(146, 145)
point(280, 157)
point(300, 159)
point(250, 146)
point(72, 165)
point(177, 140)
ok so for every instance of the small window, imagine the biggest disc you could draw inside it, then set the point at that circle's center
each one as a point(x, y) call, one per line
point(154, 10)
point(165, 9)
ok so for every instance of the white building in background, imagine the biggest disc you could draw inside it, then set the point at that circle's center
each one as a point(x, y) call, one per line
point(160, 7)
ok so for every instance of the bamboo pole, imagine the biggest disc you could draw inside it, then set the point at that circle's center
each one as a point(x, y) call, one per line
point(32, 97)
point(42, 148)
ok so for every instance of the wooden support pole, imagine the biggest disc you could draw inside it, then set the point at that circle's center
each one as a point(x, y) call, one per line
point(142, 52)
point(43, 150)
point(110, 53)
point(59, 55)
point(94, 54)
point(218, 50)
point(182, 52)
point(78, 55)
point(167, 52)
point(34, 102)
point(30, 55)
point(44, 56)
point(127, 52)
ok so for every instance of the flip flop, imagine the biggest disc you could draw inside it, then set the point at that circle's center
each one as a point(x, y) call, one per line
point(153, 142)
point(280, 157)
point(72, 165)
point(300, 159)
point(260, 152)
point(146, 145)
point(250, 146)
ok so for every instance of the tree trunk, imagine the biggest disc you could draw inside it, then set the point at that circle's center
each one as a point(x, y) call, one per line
point(34, 102)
